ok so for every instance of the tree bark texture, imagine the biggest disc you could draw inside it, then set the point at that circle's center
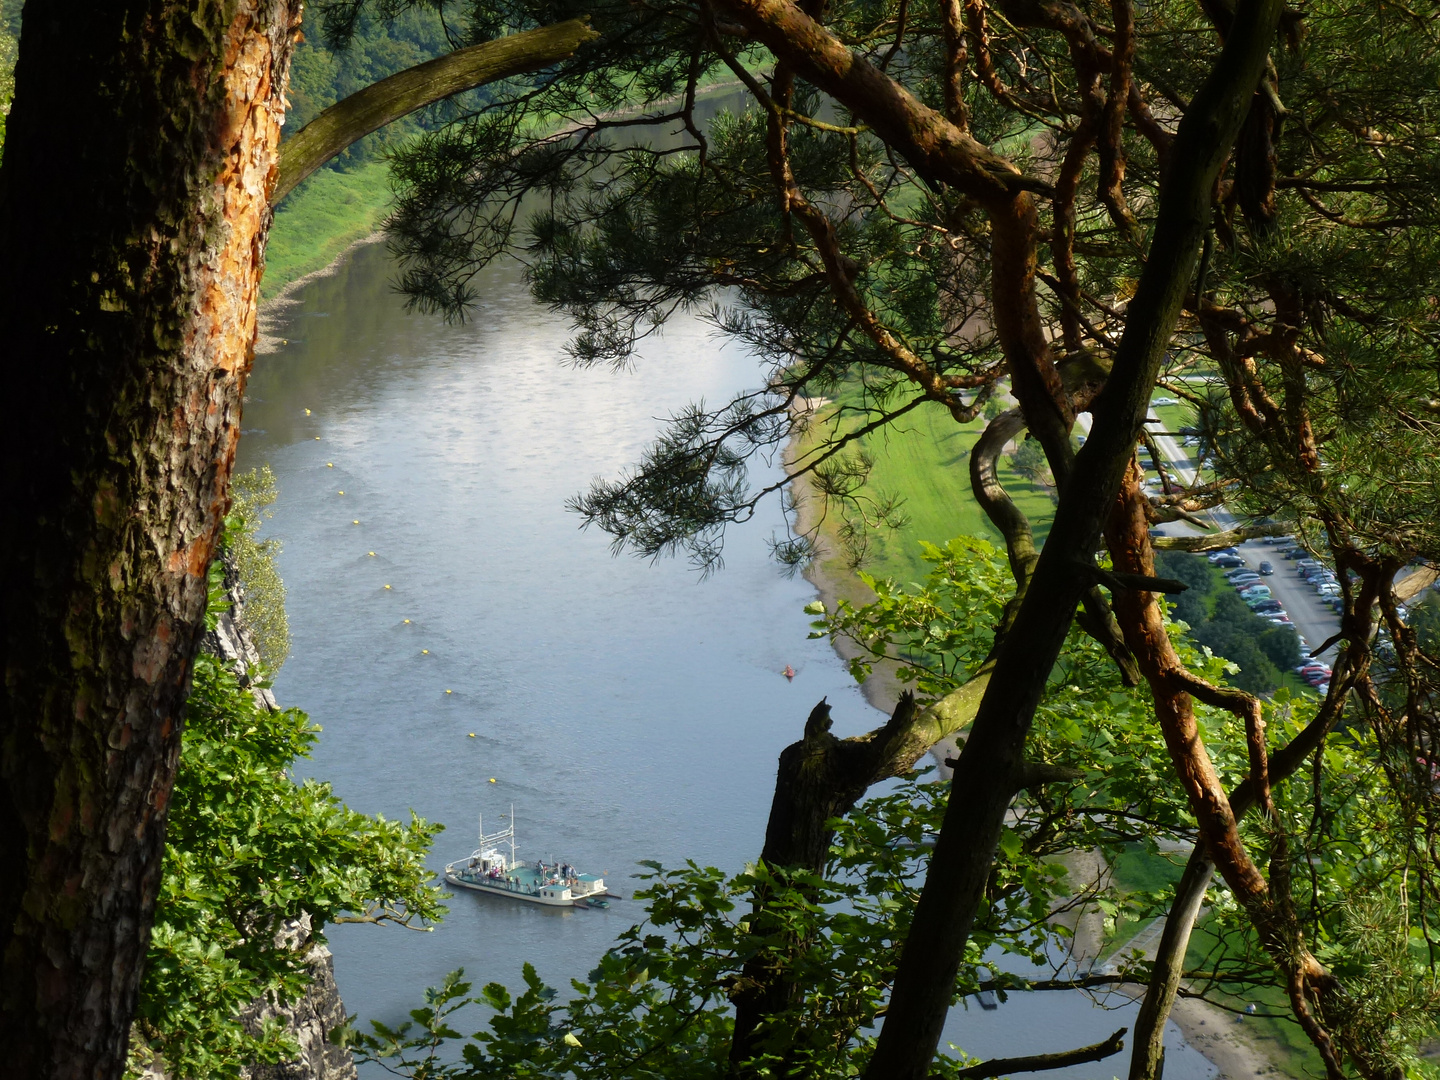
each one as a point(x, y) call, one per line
point(992, 759)
point(388, 100)
point(1148, 1055)
point(134, 205)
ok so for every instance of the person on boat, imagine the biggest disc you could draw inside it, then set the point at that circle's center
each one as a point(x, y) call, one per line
point(789, 673)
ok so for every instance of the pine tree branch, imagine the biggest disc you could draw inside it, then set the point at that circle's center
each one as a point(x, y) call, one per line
point(372, 108)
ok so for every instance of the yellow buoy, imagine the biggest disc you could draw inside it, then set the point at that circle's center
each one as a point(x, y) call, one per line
point(424, 652)
point(329, 464)
point(407, 622)
point(317, 438)
point(387, 586)
point(355, 522)
point(472, 734)
point(340, 493)
point(372, 553)
point(492, 779)
point(449, 691)
point(307, 412)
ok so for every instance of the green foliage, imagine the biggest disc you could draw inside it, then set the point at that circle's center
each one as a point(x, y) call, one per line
point(323, 73)
point(1425, 621)
point(256, 865)
point(940, 631)
point(252, 494)
point(9, 25)
point(657, 1003)
point(347, 200)
point(1347, 845)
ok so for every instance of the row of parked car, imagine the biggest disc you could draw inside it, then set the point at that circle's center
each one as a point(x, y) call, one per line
point(1258, 597)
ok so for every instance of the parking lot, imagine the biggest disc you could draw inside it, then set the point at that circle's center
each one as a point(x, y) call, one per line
point(1315, 621)
point(1312, 618)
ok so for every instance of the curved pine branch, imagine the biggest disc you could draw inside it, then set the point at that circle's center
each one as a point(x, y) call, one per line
point(372, 108)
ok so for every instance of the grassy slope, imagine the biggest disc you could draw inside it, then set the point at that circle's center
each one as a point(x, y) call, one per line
point(1137, 871)
point(321, 218)
point(926, 458)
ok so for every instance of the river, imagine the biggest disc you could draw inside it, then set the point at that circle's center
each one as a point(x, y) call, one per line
point(628, 710)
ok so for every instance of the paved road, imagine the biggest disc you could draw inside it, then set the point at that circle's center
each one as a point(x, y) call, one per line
point(1314, 621)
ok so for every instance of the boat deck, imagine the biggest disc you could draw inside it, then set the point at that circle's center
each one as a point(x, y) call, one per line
point(527, 882)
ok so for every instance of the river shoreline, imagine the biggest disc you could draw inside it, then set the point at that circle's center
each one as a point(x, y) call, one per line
point(270, 312)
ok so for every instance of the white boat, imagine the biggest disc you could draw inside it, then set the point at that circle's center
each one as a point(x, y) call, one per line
point(489, 870)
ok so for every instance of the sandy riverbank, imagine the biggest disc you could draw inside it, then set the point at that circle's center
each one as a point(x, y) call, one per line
point(1238, 1052)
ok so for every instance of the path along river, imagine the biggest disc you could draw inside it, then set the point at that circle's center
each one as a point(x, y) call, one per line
point(628, 710)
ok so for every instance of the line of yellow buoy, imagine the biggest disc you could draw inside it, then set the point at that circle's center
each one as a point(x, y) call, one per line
point(371, 554)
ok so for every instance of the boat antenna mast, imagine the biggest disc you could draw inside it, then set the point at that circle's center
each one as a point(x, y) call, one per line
point(512, 834)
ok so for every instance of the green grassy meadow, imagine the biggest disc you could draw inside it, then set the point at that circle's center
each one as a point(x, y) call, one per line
point(926, 458)
point(321, 218)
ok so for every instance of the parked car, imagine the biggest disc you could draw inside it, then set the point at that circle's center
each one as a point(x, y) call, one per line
point(1231, 575)
point(1270, 607)
point(1224, 553)
point(1228, 561)
point(1243, 583)
point(1328, 589)
point(1267, 568)
point(1255, 592)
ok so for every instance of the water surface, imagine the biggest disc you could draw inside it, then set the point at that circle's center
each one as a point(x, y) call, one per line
point(629, 710)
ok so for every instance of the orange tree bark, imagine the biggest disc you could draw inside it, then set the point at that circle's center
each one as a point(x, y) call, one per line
point(134, 200)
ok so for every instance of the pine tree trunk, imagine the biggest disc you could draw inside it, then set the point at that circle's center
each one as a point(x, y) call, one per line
point(134, 198)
